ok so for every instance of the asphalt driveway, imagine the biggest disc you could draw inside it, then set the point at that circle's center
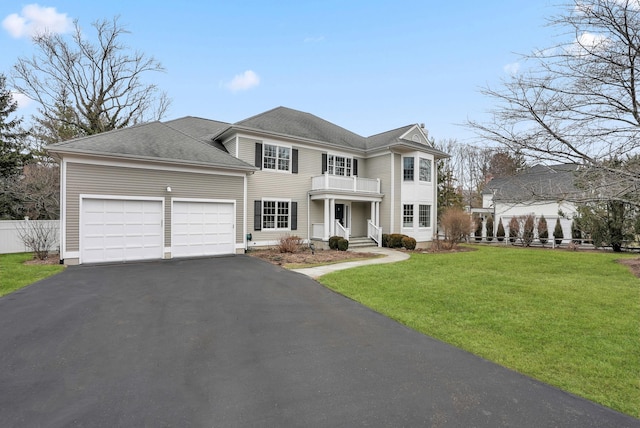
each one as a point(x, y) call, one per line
point(236, 342)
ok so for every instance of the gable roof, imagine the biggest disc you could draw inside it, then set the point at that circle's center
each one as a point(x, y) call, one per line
point(540, 182)
point(294, 123)
point(199, 128)
point(152, 141)
point(297, 124)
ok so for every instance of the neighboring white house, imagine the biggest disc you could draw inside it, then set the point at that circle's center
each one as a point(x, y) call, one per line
point(539, 190)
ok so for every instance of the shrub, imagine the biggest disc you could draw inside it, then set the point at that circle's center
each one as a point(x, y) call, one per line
point(395, 240)
point(333, 242)
point(543, 230)
point(489, 228)
point(343, 244)
point(528, 230)
point(409, 243)
point(39, 237)
point(576, 233)
point(289, 244)
point(557, 232)
point(478, 231)
point(500, 233)
point(456, 225)
point(514, 229)
point(385, 239)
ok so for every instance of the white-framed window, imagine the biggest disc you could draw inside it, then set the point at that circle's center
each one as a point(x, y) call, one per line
point(424, 216)
point(339, 165)
point(425, 169)
point(407, 215)
point(275, 214)
point(408, 168)
point(277, 158)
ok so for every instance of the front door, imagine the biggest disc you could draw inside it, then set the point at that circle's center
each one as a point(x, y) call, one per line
point(340, 214)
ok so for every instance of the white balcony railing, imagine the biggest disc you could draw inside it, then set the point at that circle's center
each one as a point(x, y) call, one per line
point(348, 184)
point(374, 232)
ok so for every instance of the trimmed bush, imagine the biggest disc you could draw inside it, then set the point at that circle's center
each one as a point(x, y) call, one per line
point(478, 232)
point(385, 240)
point(543, 230)
point(558, 234)
point(500, 233)
point(528, 230)
point(333, 242)
point(343, 244)
point(395, 240)
point(576, 233)
point(409, 243)
point(514, 229)
point(489, 228)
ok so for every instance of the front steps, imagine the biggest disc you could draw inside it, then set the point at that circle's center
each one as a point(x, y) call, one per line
point(361, 242)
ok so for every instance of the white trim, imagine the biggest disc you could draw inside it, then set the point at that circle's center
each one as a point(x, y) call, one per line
point(63, 211)
point(245, 220)
point(421, 131)
point(393, 193)
point(275, 229)
point(144, 165)
point(206, 200)
point(277, 145)
point(83, 196)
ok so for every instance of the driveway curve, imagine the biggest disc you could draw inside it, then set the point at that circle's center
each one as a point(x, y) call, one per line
point(237, 342)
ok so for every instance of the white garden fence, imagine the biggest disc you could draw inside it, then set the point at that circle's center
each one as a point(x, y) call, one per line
point(10, 241)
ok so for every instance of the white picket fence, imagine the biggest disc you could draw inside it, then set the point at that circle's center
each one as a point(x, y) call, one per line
point(10, 239)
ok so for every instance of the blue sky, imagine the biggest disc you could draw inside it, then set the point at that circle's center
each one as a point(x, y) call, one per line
point(368, 66)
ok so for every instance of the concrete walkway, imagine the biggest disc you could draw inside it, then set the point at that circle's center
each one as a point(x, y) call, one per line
point(390, 256)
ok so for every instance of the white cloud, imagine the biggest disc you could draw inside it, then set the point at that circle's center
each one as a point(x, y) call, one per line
point(35, 19)
point(512, 68)
point(22, 100)
point(244, 81)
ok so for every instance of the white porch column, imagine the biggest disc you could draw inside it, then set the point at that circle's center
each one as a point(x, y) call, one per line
point(373, 213)
point(332, 217)
point(326, 230)
point(377, 214)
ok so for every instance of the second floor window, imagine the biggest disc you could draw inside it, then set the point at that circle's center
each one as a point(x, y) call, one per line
point(339, 165)
point(408, 169)
point(425, 169)
point(276, 157)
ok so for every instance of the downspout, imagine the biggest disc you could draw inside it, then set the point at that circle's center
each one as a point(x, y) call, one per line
point(308, 218)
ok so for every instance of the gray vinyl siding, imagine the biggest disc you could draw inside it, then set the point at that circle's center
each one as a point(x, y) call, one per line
point(231, 146)
point(360, 212)
point(124, 181)
point(382, 165)
point(280, 185)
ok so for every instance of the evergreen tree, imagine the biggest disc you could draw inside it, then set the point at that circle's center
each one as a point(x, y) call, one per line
point(12, 136)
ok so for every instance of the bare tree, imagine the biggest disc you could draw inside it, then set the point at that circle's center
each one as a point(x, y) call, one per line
point(98, 86)
point(578, 100)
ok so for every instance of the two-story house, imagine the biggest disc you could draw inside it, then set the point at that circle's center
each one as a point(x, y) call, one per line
point(197, 187)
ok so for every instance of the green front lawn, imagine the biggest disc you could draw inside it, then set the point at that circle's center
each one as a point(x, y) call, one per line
point(570, 319)
point(14, 274)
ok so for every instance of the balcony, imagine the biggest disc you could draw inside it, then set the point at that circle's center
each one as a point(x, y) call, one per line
point(327, 182)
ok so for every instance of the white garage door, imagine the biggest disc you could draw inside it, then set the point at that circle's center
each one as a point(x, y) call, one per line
point(202, 229)
point(115, 230)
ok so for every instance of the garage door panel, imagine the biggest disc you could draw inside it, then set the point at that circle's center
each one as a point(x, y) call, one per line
point(202, 228)
point(120, 230)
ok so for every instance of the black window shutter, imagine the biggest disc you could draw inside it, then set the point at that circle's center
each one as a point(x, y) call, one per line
point(324, 163)
point(258, 162)
point(294, 216)
point(257, 215)
point(355, 167)
point(294, 161)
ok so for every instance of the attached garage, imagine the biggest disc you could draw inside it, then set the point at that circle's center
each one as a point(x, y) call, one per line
point(202, 228)
point(117, 230)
